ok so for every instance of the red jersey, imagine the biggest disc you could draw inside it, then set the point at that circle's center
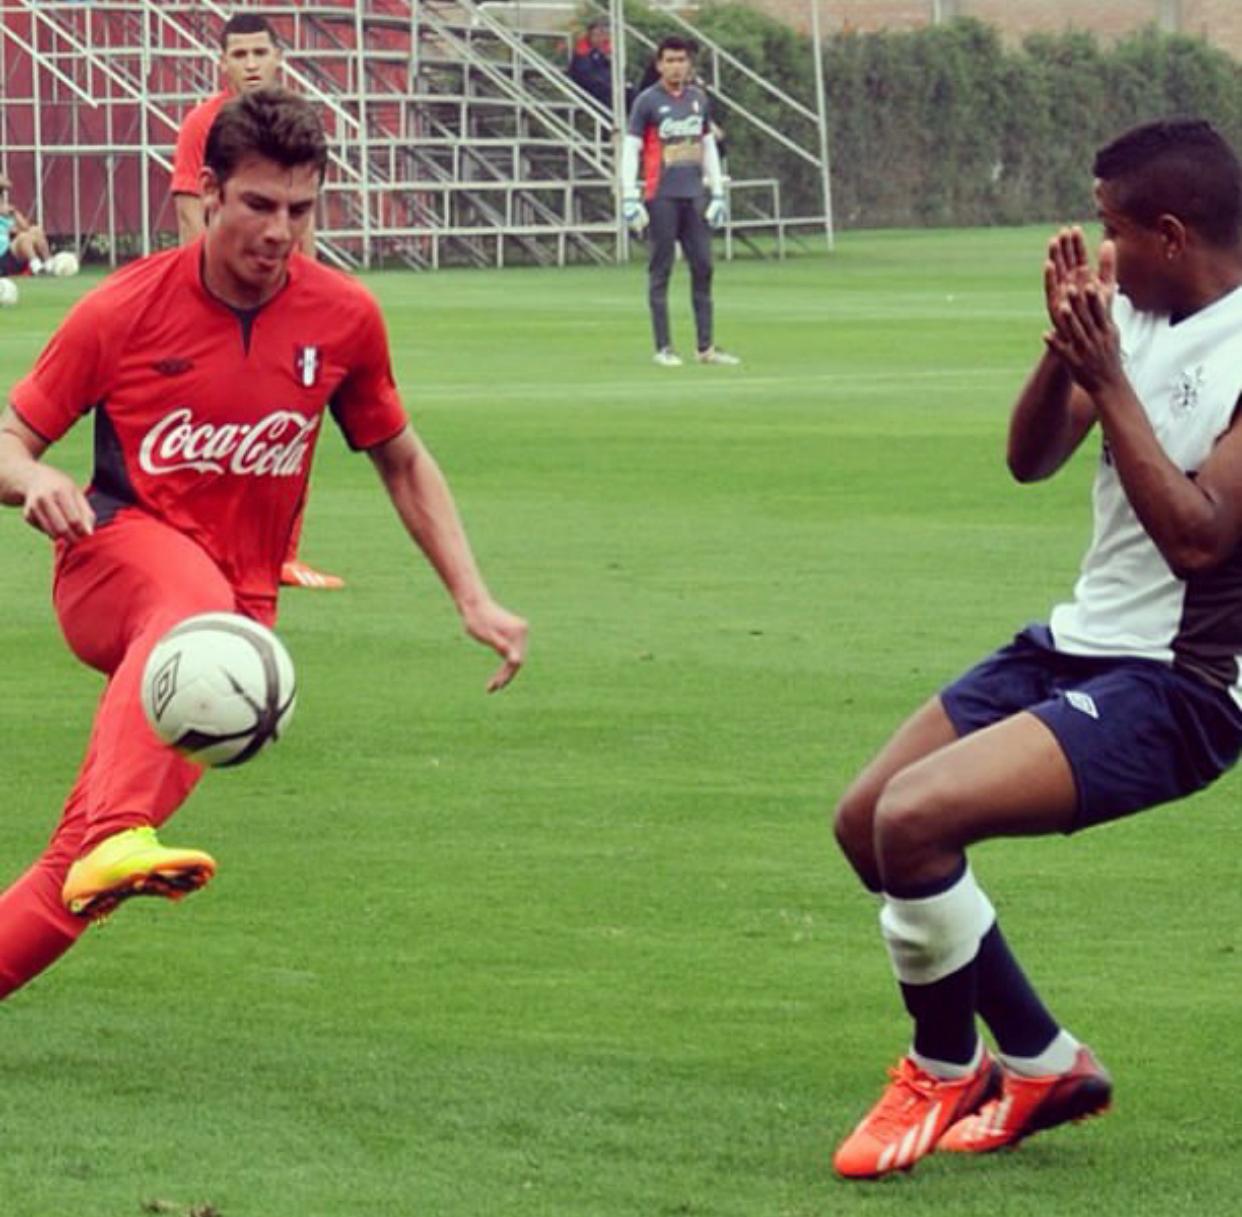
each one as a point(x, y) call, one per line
point(192, 145)
point(206, 416)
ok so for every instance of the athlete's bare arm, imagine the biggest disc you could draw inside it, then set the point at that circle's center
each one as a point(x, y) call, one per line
point(1052, 414)
point(50, 499)
point(1194, 519)
point(191, 217)
point(425, 504)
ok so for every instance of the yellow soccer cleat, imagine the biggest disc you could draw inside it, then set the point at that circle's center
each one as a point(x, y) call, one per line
point(132, 863)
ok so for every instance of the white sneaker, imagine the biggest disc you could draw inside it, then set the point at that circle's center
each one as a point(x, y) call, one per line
point(38, 266)
point(666, 357)
point(717, 356)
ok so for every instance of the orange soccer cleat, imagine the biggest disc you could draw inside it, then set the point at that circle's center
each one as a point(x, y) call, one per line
point(298, 574)
point(911, 1116)
point(1030, 1105)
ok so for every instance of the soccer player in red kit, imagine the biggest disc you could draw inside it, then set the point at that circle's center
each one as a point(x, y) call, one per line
point(209, 370)
point(249, 59)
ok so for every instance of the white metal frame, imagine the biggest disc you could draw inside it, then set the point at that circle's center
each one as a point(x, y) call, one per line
point(545, 185)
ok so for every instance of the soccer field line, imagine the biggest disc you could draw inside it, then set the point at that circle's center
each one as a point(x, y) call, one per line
point(35, 336)
point(712, 383)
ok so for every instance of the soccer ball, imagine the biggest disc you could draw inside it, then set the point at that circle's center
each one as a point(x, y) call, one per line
point(63, 264)
point(8, 293)
point(219, 688)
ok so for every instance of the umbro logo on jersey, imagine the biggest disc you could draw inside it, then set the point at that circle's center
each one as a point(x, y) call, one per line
point(173, 367)
point(1084, 702)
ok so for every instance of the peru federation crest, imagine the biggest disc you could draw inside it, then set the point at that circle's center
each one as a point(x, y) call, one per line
point(1186, 393)
point(306, 364)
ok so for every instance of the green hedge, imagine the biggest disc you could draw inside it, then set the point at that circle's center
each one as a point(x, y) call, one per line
point(945, 125)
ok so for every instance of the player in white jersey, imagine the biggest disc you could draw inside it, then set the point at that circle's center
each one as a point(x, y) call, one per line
point(1131, 695)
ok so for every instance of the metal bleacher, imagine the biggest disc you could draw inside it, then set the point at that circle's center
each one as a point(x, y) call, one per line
point(456, 137)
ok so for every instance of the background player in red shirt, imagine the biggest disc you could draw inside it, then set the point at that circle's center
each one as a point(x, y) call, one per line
point(209, 369)
point(249, 59)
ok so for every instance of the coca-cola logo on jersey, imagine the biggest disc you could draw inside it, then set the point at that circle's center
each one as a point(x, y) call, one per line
point(690, 126)
point(274, 446)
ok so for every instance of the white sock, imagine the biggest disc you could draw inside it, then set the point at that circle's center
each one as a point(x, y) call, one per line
point(948, 1070)
point(931, 937)
point(1058, 1057)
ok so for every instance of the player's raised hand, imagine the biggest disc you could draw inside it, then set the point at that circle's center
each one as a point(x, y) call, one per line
point(1067, 266)
point(504, 632)
point(1085, 337)
point(55, 505)
point(1106, 269)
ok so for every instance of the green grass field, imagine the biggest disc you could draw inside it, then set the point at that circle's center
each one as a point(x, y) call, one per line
point(585, 949)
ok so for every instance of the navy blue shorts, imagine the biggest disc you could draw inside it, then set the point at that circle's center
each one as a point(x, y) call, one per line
point(1136, 732)
point(11, 264)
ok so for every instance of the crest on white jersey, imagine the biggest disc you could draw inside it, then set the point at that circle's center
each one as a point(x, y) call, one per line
point(306, 363)
point(1186, 391)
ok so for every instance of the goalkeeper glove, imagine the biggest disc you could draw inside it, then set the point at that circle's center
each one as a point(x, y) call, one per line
point(717, 211)
point(634, 212)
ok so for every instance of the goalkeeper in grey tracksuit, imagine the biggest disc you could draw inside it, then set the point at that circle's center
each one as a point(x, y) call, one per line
point(680, 196)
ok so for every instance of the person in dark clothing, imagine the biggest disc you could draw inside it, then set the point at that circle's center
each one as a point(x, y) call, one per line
point(673, 188)
point(591, 66)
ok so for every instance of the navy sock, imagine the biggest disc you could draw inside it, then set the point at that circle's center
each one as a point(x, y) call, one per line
point(1007, 1003)
point(944, 1016)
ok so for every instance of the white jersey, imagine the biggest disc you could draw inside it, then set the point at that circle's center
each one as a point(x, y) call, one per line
point(1127, 601)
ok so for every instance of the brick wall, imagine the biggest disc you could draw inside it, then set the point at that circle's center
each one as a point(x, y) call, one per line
point(1219, 21)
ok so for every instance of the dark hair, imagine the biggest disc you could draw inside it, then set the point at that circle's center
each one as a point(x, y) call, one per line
point(598, 23)
point(272, 123)
point(1180, 167)
point(246, 23)
point(675, 42)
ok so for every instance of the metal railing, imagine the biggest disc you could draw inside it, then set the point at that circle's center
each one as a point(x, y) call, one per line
point(439, 112)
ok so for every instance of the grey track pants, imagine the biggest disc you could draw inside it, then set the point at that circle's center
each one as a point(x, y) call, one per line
point(674, 220)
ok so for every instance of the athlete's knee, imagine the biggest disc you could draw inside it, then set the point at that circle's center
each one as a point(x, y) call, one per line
point(912, 814)
point(853, 826)
point(853, 823)
point(165, 614)
point(658, 276)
